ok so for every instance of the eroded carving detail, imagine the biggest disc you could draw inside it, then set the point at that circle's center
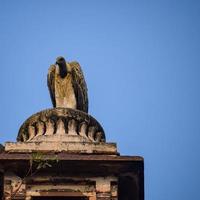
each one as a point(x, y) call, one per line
point(61, 121)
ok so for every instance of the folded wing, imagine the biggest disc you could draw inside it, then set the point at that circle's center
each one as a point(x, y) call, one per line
point(51, 83)
point(80, 87)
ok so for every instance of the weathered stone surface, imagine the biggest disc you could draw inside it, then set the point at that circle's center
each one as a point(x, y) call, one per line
point(91, 176)
point(59, 186)
point(61, 121)
point(64, 146)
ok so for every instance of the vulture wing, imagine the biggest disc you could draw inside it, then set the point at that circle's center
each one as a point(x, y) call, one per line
point(51, 83)
point(80, 87)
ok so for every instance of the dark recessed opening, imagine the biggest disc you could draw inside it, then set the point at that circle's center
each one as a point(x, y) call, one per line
point(128, 188)
point(1, 185)
point(59, 198)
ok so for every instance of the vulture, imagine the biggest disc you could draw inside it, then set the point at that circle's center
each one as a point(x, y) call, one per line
point(67, 85)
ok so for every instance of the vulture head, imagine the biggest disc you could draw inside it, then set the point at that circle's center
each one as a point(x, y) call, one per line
point(60, 61)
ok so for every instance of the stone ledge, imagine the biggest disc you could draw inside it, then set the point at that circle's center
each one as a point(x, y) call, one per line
point(63, 156)
point(67, 147)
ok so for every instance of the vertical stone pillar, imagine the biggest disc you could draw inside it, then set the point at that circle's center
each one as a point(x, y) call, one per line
point(28, 198)
point(13, 186)
point(7, 188)
point(103, 189)
point(103, 196)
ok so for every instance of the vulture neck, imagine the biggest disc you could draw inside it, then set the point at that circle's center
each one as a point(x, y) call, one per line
point(63, 70)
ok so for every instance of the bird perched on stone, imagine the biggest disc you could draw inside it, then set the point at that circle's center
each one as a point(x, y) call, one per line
point(67, 85)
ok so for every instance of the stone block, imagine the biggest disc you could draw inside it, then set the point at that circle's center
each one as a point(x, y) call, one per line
point(68, 147)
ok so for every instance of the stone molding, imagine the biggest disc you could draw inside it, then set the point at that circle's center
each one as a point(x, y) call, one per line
point(61, 123)
point(69, 147)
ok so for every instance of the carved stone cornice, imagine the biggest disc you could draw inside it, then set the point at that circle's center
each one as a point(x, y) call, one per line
point(63, 124)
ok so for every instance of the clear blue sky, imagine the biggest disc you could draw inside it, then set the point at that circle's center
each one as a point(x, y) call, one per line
point(141, 60)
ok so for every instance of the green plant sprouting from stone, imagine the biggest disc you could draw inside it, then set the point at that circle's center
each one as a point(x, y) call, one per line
point(37, 162)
